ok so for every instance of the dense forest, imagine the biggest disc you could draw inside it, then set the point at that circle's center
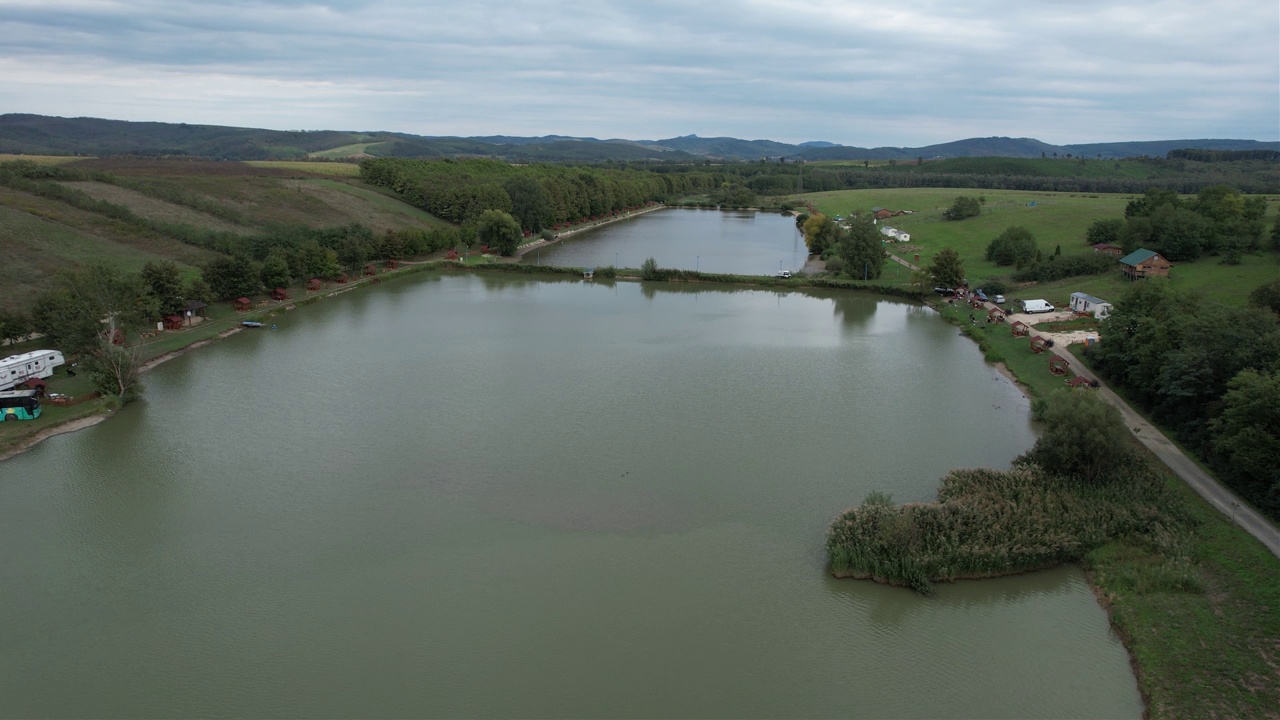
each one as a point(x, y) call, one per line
point(537, 196)
point(1209, 372)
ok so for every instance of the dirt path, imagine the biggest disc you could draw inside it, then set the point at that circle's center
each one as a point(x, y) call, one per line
point(1184, 467)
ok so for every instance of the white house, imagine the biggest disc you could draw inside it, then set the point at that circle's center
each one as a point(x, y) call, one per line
point(1088, 304)
point(904, 237)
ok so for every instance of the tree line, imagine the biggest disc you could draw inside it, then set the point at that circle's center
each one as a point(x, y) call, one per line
point(1217, 221)
point(538, 196)
point(1208, 371)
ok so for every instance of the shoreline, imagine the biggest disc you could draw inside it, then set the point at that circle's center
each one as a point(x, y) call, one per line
point(540, 243)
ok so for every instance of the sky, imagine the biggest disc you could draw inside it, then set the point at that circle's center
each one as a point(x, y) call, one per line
point(897, 73)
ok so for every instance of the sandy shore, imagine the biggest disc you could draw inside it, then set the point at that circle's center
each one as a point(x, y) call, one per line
point(66, 427)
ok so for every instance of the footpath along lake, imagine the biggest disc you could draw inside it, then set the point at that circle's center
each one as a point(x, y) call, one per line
point(742, 242)
point(483, 495)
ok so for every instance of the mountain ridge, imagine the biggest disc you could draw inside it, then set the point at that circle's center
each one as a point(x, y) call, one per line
point(31, 134)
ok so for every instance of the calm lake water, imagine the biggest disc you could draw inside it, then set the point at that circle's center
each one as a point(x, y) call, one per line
point(470, 495)
point(732, 241)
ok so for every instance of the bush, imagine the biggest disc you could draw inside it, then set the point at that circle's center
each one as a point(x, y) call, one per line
point(963, 207)
point(835, 265)
point(1014, 246)
point(649, 270)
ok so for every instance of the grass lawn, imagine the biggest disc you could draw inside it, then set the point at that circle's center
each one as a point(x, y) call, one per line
point(345, 169)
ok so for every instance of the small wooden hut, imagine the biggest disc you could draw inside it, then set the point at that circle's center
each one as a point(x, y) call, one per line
point(279, 294)
point(996, 315)
point(172, 322)
point(1058, 365)
point(371, 269)
point(1037, 344)
point(195, 307)
point(1020, 329)
point(313, 284)
point(392, 264)
point(242, 304)
point(1079, 382)
point(342, 279)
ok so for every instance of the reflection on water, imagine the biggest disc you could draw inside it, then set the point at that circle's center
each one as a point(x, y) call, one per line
point(733, 242)
point(483, 495)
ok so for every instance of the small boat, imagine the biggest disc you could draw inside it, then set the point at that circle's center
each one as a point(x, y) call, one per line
point(251, 324)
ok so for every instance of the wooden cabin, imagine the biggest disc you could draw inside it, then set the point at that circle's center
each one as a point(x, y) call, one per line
point(173, 322)
point(279, 294)
point(1079, 382)
point(1058, 365)
point(242, 304)
point(1142, 264)
point(1020, 329)
point(343, 278)
point(370, 269)
point(392, 264)
point(1108, 249)
point(313, 284)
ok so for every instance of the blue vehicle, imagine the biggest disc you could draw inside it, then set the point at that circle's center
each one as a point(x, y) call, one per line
point(980, 295)
point(19, 405)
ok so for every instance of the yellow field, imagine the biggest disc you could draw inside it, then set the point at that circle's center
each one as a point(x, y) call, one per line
point(320, 168)
point(43, 159)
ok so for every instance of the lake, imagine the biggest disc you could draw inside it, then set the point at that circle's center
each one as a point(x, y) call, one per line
point(480, 495)
point(742, 242)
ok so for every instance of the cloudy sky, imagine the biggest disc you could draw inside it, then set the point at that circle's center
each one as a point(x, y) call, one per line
point(897, 72)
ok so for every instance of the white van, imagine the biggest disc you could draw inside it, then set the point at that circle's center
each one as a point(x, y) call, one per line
point(1036, 306)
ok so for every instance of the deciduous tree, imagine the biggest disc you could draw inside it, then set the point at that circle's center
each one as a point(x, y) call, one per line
point(947, 269)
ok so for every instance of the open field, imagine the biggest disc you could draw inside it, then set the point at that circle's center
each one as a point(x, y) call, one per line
point(378, 210)
point(45, 234)
point(40, 159)
point(1057, 219)
point(345, 151)
point(150, 207)
point(344, 169)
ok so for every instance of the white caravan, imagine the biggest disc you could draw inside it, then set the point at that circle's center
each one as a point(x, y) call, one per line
point(37, 363)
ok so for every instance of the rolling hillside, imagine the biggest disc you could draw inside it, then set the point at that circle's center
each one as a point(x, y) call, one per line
point(41, 233)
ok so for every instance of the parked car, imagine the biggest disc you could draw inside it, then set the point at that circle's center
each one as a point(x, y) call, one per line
point(782, 274)
point(980, 295)
point(999, 300)
point(945, 292)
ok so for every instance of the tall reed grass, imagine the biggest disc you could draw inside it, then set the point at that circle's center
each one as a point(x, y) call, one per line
point(987, 523)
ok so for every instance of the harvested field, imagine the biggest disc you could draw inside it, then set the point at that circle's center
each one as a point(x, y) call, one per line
point(368, 206)
point(152, 208)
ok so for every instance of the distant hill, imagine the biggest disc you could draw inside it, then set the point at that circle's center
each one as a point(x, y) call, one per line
point(44, 135)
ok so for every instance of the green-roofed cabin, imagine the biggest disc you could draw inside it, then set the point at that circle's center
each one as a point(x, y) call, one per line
point(1142, 264)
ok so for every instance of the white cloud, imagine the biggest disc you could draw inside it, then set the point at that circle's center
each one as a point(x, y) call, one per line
point(860, 73)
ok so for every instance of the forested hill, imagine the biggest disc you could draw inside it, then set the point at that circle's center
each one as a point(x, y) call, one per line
point(44, 135)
